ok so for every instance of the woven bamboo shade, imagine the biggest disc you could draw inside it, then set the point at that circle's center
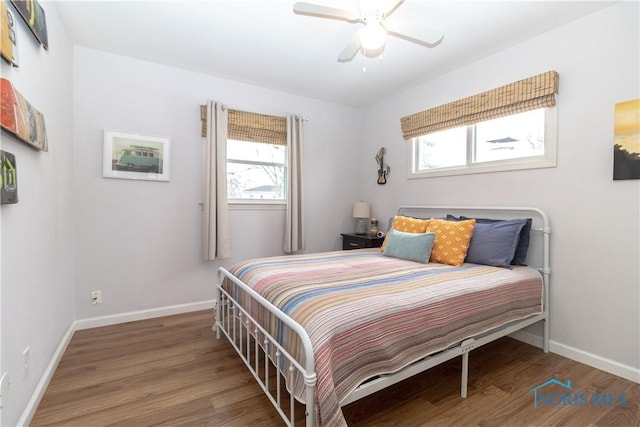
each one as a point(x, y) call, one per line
point(254, 127)
point(203, 121)
point(524, 95)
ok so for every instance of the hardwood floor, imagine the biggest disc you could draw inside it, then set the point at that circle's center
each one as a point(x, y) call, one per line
point(172, 371)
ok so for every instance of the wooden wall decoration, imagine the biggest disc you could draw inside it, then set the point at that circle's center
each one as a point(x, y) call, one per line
point(33, 14)
point(21, 118)
point(383, 169)
point(8, 178)
point(8, 45)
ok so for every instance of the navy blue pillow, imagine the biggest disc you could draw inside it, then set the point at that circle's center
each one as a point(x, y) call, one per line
point(522, 244)
point(494, 243)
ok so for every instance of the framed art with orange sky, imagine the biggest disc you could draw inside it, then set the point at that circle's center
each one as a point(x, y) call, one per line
point(626, 140)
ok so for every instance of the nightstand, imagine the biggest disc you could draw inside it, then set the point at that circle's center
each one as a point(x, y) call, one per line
point(360, 241)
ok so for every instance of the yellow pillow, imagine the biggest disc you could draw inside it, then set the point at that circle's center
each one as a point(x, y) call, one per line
point(408, 225)
point(452, 240)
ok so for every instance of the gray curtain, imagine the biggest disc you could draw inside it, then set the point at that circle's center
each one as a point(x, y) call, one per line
point(216, 239)
point(294, 223)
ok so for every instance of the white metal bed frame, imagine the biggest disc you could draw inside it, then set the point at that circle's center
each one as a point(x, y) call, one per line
point(244, 332)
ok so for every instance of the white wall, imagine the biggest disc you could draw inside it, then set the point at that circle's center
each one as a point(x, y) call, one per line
point(595, 220)
point(38, 232)
point(139, 242)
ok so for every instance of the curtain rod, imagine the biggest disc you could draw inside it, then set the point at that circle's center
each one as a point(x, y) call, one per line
point(203, 118)
point(224, 107)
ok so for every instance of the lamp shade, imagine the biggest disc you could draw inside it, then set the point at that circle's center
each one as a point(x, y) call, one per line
point(361, 210)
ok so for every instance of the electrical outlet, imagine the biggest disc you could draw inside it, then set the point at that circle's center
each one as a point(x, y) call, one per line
point(96, 297)
point(25, 363)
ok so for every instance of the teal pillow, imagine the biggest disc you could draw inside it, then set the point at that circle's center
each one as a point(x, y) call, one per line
point(410, 246)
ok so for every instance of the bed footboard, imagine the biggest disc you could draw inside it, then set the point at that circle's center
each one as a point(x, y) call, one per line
point(262, 353)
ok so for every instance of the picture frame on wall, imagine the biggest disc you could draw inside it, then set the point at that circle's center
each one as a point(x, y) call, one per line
point(136, 156)
point(8, 43)
point(21, 118)
point(33, 15)
point(626, 140)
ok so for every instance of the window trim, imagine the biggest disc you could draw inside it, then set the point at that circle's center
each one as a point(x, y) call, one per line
point(248, 204)
point(548, 160)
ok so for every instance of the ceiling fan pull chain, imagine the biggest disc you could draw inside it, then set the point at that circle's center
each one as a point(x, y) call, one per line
point(364, 60)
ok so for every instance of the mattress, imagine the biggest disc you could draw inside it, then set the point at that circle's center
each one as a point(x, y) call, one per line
point(368, 314)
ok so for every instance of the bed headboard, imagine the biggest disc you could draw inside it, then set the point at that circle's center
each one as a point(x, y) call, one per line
point(538, 253)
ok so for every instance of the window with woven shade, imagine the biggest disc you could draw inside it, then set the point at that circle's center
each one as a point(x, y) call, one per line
point(256, 157)
point(510, 127)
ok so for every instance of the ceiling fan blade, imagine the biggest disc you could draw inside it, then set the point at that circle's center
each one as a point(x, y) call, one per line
point(350, 50)
point(393, 8)
point(303, 8)
point(426, 36)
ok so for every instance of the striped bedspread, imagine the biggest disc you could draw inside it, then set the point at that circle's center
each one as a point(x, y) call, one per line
point(368, 314)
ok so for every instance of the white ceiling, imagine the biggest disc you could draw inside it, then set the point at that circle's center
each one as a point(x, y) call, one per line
point(263, 42)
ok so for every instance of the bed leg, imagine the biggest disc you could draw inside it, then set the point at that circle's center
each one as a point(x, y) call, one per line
point(465, 375)
point(311, 416)
point(218, 305)
point(217, 308)
point(545, 336)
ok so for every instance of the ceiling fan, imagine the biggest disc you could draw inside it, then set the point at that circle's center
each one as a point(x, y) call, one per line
point(371, 39)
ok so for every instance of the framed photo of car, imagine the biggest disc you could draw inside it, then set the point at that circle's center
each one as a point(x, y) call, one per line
point(136, 156)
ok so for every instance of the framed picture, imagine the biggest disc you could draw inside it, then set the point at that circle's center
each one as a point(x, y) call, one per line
point(626, 140)
point(136, 156)
point(33, 15)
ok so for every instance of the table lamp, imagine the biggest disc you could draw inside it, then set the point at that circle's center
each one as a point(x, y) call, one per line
point(361, 212)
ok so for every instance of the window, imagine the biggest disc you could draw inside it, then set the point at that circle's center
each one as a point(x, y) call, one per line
point(509, 127)
point(256, 172)
point(256, 158)
point(518, 141)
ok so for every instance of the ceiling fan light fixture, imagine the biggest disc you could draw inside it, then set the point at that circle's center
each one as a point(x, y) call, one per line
point(373, 36)
point(371, 40)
